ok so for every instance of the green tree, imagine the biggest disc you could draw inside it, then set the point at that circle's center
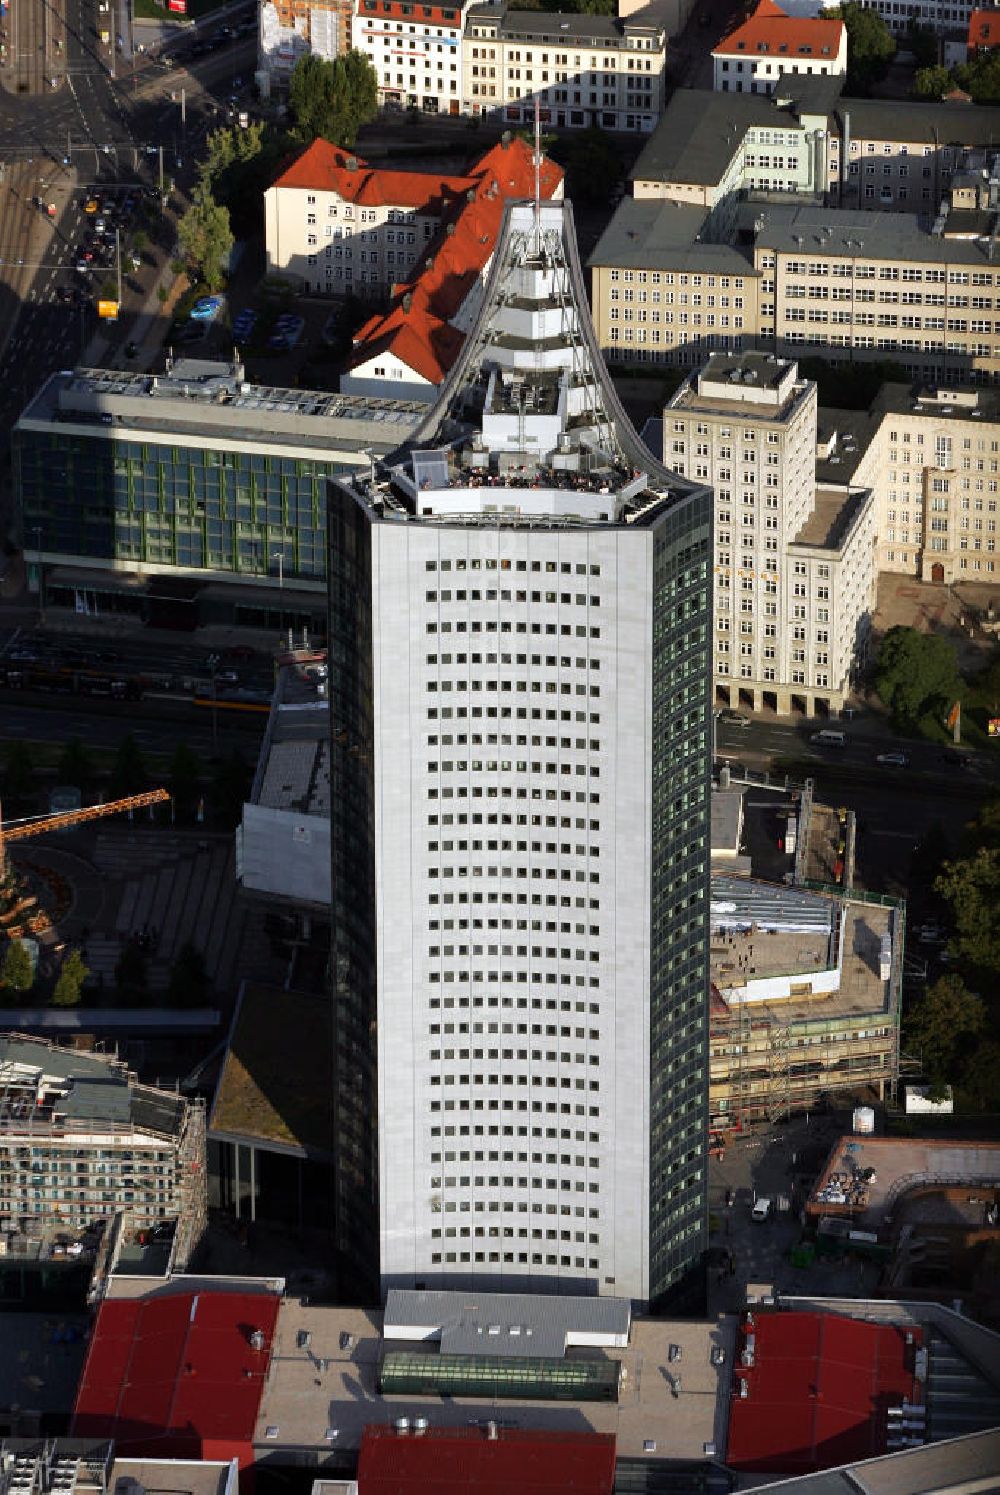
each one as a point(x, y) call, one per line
point(129, 774)
point(230, 787)
point(205, 237)
point(189, 984)
point(971, 887)
point(916, 673)
point(18, 772)
point(978, 1087)
point(941, 1025)
point(981, 78)
point(932, 82)
point(131, 971)
point(923, 43)
point(184, 781)
point(591, 162)
point(16, 973)
point(332, 99)
point(70, 981)
point(75, 766)
point(870, 45)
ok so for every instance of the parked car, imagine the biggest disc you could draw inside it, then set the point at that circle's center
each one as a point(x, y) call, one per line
point(893, 760)
point(244, 324)
point(733, 718)
point(206, 309)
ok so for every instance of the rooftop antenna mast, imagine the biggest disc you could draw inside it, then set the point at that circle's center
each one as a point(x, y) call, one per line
point(538, 179)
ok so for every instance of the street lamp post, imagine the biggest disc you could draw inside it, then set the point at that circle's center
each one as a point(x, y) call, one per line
point(37, 531)
point(279, 556)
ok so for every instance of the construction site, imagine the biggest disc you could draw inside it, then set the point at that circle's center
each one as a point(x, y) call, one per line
point(804, 1002)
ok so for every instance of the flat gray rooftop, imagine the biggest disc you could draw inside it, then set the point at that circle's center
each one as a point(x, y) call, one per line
point(842, 438)
point(602, 31)
point(834, 514)
point(323, 1395)
point(700, 132)
point(201, 399)
point(172, 1476)
point(853, 234)
point(41, 1360)
point(653, 234)
point(514, 1324)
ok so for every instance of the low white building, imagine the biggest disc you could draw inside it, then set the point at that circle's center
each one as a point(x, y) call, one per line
point(770, 44)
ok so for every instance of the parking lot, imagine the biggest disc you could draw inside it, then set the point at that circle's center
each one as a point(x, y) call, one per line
point(780, 1163)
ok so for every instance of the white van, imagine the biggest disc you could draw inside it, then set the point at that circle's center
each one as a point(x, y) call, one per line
point(761, 1211)
point(827, 738)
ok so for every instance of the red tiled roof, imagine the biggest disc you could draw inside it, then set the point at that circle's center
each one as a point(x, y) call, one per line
point(175, 1376)
point(323, 167)
point(817, 1392)
point(770, 31)
point(465, 1461)
point(984, 29)
point(416, 328)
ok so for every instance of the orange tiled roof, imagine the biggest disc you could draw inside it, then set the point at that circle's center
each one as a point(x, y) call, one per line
point(324, 167)
point(771, 32)
point(417, 326)
point(984, 29)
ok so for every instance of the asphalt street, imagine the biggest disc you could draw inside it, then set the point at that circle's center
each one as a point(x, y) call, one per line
point(101, 724)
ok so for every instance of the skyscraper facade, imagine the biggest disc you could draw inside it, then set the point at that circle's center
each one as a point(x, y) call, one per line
point(520, 694)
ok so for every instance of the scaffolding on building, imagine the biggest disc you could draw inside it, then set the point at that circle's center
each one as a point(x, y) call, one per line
point(772, 1058)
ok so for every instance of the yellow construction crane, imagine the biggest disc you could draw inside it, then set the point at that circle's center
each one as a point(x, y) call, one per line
point(21, 830)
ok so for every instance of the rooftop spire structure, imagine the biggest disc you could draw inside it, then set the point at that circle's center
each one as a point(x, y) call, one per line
point(521, 600)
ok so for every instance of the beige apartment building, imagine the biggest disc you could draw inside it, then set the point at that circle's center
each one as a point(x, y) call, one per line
point(582, 70)
point(844, 285)
point(794, 562)
point(931, 457)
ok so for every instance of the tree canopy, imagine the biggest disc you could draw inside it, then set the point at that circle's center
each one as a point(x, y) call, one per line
point(870, 45)
point(332, 99)
point(971, 887)
point(916, 673)
point(70, 980)
point(941, 1024)
point(16, 972)
point(932, 82)
point(205, 237)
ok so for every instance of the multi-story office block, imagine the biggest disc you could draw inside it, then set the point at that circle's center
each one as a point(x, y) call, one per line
point(416, 51)
point(80, 1140)
point(794, 563)
point(581, 70)
point(124, 478)
point(840, 284)
point(520, 816)
point(770, 46)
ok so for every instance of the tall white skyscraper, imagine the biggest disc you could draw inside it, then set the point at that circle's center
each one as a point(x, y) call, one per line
point(520, 691)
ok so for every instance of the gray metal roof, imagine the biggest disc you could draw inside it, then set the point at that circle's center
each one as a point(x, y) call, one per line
point(105, 1099)
point(850, 233)
point(926, 124)
point(513, 1324)
point(700, 131)
point(556, 27)
point(739, 900)
point(656, 235)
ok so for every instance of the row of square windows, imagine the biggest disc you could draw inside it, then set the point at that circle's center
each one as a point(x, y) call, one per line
point(564, 630)
point(509, 1157)
point(566, 599)
point(510, 1258)
point(548, 952)
point(491, 1232)
point(493, 564)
